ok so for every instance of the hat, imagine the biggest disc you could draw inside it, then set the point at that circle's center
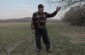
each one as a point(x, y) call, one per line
point(40, 6)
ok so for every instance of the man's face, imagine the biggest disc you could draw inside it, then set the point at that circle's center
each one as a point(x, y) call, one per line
point(41, 9)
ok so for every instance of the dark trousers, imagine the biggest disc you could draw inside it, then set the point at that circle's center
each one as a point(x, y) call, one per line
point(42, 32)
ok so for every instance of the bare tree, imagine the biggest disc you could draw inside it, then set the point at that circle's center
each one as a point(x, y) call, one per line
point(75, 15)
point(66, 3)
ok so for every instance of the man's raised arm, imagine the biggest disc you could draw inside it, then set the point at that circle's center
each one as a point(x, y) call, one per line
point(54, 13)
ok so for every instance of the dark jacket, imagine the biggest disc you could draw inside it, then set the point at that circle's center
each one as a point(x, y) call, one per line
point(39, 19)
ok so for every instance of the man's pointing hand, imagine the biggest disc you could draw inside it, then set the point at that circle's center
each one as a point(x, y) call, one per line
point(58, 8)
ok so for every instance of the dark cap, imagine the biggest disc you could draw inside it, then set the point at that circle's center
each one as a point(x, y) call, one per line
point(40, 6)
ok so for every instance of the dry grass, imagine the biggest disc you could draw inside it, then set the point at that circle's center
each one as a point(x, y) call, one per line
point(17, 39)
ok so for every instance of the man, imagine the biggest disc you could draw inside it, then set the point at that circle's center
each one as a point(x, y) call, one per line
point(38, 26)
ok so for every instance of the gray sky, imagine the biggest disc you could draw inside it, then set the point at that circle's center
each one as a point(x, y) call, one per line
point(23, 8)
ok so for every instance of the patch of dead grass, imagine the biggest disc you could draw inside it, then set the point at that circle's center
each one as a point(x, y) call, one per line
point(76, 38)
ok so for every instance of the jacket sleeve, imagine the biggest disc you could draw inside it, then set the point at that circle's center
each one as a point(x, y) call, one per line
point(32, 22)
point(52, 14)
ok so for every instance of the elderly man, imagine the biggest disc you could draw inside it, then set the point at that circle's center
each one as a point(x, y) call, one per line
point(38, 26)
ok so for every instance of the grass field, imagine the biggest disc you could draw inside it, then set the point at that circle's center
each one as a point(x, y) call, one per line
point(17, 39)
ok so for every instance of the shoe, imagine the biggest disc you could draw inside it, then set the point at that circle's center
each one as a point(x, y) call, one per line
point(48, 50)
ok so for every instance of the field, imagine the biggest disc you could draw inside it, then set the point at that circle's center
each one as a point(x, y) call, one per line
point(17, 39)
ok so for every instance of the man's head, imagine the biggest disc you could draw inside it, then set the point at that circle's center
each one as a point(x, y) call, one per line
point(40, 8)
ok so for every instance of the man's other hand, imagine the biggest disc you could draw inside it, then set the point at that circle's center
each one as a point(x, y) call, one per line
point(33, 31)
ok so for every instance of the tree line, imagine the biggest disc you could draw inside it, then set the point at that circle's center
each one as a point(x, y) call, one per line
point(76, 13)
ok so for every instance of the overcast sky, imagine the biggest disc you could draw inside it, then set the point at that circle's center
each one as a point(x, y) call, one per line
point(23, 8)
